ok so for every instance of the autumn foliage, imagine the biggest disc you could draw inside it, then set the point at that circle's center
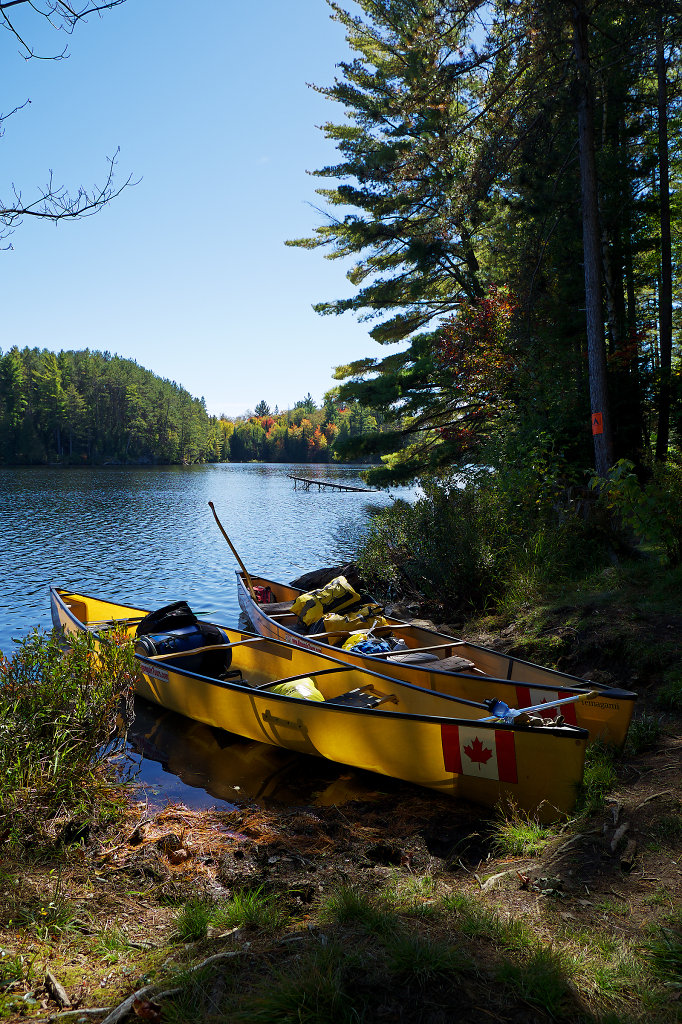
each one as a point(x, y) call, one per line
point(475, 352)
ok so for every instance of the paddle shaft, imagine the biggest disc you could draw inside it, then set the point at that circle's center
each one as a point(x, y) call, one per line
point(591, 694)
point(232, 549)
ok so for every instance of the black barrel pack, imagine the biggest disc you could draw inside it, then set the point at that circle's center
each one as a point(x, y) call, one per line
point(175, 629)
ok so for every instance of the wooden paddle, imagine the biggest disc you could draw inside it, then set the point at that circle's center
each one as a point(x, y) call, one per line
point(232, 548)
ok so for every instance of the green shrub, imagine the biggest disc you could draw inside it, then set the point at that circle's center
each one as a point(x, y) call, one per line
point(431, 549)
point(59, 726)
point(653, 511)
point(504, 537)
point(599, 776)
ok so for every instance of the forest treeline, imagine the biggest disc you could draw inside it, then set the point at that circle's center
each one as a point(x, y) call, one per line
point(88, 408)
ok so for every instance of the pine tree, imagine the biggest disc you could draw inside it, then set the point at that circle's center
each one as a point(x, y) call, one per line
point(504, 157)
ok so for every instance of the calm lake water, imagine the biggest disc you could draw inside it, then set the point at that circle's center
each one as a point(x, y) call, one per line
point(145, 535)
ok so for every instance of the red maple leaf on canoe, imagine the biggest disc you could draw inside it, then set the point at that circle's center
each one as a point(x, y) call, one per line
point(476, 752)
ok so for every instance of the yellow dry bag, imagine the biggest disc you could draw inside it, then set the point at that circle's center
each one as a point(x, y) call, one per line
point(333, 598)
point(367, 616)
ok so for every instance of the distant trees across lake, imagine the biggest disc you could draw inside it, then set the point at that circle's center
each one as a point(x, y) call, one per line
point(90, 408)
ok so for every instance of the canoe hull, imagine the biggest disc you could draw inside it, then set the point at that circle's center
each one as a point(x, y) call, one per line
point(417, 736)
point(518, 683)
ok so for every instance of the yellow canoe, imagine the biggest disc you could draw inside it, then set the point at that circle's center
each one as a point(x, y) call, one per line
point(458, 668)
point(365, 720)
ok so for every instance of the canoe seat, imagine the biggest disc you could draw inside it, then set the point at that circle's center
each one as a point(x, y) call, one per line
point(453, 664)
point(414, 658)
point(233, 675)
point(276, 607)
point(358, 698)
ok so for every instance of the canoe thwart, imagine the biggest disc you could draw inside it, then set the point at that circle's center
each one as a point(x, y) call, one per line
point(358, 698)
point(301, 675)
point(200, 650)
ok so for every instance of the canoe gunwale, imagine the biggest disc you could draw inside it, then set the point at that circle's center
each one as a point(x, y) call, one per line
point(565, 732)
point(572, 732)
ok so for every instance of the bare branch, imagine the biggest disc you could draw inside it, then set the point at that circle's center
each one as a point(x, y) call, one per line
point(55, 203)
point(61, 16)
point(3, 117)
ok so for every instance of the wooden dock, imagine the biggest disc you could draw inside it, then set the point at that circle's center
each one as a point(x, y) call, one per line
point(307, 483)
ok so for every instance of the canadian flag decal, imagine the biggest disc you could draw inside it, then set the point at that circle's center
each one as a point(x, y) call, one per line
point(483, 753)
point(526, 698)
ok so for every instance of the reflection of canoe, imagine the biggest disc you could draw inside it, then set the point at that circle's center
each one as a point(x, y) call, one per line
point(457, 668)
point(365, 720)
point(234, 769)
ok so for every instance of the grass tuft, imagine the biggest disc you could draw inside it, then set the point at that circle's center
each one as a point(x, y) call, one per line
point(665, 953)
point(111, 943)
point(599, 776)
point(478, 921)
point(249, 908)
point(422, 961)
point(317, 989)
point(669, 697)
point(643, 734)
point(193, 919)
point(541, 980)
point(410, 894)
point(518, 834)
point(348, 906)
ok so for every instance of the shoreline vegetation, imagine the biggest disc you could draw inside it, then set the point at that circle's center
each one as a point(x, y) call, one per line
point(397, 905)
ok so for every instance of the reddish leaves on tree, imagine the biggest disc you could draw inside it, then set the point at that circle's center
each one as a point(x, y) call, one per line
point(626, 357)
point(477, 753)
point(475, 341)
point(474, 350)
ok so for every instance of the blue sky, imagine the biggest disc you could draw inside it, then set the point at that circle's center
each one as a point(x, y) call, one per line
point(187, 272)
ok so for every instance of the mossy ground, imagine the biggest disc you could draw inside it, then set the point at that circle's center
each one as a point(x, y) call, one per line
point(402, 906)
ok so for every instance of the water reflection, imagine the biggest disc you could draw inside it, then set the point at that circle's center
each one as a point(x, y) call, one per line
point(179, 759)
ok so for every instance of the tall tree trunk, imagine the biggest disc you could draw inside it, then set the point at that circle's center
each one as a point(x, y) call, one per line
point(631, 322)
point(596, 353)
point(665, 299)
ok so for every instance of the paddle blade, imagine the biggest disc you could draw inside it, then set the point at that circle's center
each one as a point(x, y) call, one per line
point(498, 709)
